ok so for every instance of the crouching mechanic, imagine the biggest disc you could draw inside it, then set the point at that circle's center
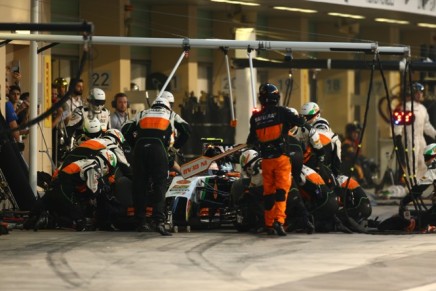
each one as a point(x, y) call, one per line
point(91, 129)
point(269, 130)
point(354, 204)
point(314, 152)
point(74, 185)
point(247, 193)
point(429, 179)
point(112, 140)
point(331, 143)
point(154, 128)
point(318, 198)
point(406, 220)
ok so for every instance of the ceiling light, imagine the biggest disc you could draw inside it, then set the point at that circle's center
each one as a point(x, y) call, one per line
point(353, 16)
point(429, 25)
point(295, 9)
point(395, 21)
point(236, 2)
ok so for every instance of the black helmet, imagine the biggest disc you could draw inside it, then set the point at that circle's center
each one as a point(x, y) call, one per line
point(351, 127)
point(417, 87)
point(268, 94)
point(213, 150)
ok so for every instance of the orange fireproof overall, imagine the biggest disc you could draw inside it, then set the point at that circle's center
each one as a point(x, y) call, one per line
point(276, 183)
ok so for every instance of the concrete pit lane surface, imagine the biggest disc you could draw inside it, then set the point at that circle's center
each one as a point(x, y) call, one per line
point(220, 259)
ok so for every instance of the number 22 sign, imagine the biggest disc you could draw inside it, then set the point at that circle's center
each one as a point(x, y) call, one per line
point(101, 80)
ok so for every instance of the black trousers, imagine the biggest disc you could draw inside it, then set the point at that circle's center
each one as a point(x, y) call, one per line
point(61, 200)
point(150, 166)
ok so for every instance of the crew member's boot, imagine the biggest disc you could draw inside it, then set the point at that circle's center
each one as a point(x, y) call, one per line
point(160, 228)
point(278, 227)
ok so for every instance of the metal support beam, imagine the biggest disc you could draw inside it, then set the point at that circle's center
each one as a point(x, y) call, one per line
point(33, 134)
point(335, 64)
point(206, 43)
point(64, 26)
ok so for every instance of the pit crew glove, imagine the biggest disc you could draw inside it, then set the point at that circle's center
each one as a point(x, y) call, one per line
point(320, 155)
point(173, 151)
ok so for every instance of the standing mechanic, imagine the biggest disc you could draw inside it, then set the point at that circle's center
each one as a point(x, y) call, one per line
point(154, 127)
point(421, 125)
point(269, 130)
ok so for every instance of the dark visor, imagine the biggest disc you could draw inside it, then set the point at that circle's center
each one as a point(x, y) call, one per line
point(98, 102)
point(309, 117)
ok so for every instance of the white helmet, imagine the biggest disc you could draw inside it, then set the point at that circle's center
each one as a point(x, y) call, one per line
point(250, 163)
point(247, 158)
point(115, 135)
point(97, 99)
point(109, 160)
point(430, 153)
point(321, 123)
point(161, 102)
point(168, 95)
point(310, 111)
point(92, 128)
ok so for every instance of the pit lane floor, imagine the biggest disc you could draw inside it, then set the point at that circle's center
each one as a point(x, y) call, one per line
point(217, 260)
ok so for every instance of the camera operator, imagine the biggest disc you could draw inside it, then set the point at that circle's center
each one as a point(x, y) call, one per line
point(11, 114)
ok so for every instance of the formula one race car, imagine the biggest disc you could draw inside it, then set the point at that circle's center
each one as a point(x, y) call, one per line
point(204, 200)
point(200, 201)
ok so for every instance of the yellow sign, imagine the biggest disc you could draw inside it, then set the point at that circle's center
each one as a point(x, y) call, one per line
point(47, 89)
point(305, 90)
